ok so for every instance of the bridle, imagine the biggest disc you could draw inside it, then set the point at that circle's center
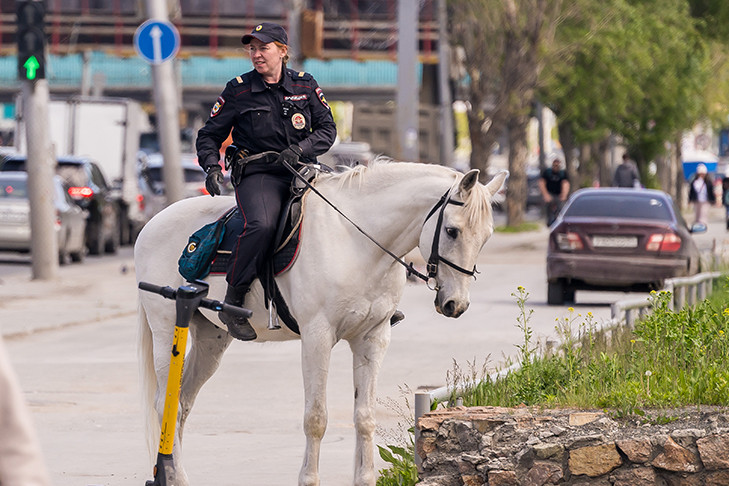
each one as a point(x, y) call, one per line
point(435, 257)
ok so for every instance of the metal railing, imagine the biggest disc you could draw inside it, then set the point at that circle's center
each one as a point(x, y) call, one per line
point(684, 291)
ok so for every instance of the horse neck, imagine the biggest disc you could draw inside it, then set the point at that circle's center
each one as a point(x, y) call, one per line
point(391, 202)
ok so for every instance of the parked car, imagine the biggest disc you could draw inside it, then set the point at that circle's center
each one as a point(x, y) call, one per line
point(618, 239)
point(347, 154)
point(15, 232)
point(151, 181)
point(87, 186)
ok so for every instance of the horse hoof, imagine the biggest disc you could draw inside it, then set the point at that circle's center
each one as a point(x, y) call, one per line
point(238, 327)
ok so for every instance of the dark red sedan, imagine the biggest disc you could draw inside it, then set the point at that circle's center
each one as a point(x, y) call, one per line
point(618, 239)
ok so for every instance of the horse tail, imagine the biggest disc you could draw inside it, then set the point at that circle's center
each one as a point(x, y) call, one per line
point(148, 380)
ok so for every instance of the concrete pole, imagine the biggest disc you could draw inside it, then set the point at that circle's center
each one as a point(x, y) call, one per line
point(296, 60)
point(447, 145)
point(168, 112)
point(407, 84)
point(41, 169)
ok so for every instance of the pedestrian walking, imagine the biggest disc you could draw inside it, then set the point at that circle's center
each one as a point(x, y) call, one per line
point(555, 187)
point(725, 198)
point(271, 108)
point(626, 174)
point(701, 193)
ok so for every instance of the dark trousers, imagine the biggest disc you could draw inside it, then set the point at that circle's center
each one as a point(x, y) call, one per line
point(260, 197)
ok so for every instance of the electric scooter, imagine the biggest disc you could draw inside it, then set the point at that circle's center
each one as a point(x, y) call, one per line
point(188, 298)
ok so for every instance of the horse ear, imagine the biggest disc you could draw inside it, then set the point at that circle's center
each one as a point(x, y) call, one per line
point(497, 182)
point(469, 180)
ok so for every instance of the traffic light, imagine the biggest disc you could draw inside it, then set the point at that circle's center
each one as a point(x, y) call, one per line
point(31, 39)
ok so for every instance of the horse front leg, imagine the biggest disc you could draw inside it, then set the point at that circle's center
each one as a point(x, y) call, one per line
point(368, 352)
point(316, 349)
point(208, 344)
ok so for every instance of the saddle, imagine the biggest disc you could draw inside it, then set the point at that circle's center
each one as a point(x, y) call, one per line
point(286, 249)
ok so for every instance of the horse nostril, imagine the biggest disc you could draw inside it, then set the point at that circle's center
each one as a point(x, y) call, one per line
point(449, 308)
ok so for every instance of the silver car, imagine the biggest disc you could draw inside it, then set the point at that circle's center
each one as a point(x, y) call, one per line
point(15, 235)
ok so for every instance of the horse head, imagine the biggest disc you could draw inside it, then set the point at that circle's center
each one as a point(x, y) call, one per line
point(452, 238)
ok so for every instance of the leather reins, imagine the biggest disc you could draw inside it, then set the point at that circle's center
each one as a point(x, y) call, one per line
point(434, 258)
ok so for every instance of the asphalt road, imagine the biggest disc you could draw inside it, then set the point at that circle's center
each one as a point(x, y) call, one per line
point(73, 343)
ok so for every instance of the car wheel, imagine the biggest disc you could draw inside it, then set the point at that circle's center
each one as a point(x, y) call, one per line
point(569, 294)
point(555, 293)
point(62, 257)
point(77, 256)
point(96, 241)
point(112, 244)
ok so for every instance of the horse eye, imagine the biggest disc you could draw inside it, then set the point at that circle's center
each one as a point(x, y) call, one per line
point(452, 232)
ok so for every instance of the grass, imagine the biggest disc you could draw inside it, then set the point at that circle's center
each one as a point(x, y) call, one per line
point(671, 359)
point(520, 228)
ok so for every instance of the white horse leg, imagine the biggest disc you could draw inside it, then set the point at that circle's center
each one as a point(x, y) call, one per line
point(207, 345)
point(368, 352)
point(316, 349)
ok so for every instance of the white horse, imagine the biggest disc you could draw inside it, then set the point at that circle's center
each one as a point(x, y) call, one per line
point(342, 286)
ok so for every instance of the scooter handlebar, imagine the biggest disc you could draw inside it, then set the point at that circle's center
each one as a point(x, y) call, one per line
point(169, 293)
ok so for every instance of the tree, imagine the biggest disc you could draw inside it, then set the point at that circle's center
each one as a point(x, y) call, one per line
point(503, 42)
point(636, 69)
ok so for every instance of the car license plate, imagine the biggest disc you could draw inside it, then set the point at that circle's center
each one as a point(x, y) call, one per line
point(615, 241)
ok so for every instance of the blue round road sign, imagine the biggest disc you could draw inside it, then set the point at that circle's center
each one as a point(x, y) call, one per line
point(156, 41)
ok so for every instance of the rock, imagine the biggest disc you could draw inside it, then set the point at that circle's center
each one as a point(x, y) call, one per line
point(544, 473)
point(502, 478)
point(594, 461)
point(714, 452)
point(676, 458)
point(637, 450)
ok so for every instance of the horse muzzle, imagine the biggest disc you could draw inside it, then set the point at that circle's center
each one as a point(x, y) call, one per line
point(450, 307)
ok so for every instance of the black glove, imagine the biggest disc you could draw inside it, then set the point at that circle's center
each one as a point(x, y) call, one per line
point(290, 155)
point(214, 180)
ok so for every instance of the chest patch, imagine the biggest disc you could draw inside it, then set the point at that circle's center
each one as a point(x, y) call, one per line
point(298, 97)
point(217, 106)
point(298, 121)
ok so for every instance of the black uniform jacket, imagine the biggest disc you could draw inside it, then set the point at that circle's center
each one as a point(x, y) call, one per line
point(267, 118)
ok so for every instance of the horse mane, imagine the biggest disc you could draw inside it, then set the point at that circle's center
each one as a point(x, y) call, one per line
point(477, 204)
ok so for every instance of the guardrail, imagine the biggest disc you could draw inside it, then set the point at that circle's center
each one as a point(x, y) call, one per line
point(684, 291)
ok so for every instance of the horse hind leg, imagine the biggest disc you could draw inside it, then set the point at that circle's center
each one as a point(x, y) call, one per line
point(368, 352)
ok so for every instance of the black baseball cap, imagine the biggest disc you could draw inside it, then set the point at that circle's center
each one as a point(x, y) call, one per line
point(266, 32)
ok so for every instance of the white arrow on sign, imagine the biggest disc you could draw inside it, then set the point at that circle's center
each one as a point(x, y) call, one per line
point(156, 34)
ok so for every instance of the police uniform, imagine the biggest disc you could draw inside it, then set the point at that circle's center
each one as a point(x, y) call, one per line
point(263, 118)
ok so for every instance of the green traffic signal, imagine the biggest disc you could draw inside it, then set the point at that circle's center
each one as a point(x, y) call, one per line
point(31, 67)
point(31, 38)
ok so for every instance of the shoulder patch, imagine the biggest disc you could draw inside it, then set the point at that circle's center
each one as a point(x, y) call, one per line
point(217, 106)
point(239, 79)
point(320, 95)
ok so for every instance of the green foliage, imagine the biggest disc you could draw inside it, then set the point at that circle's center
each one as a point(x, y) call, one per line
point(402, 470)
point(671, 359)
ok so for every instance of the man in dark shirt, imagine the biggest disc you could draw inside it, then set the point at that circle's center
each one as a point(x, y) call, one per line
point(555, 187)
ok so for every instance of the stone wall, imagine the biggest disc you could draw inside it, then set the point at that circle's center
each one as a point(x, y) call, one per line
point(532, 447)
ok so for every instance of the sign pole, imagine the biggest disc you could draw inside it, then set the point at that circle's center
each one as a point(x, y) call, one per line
point(165, 95)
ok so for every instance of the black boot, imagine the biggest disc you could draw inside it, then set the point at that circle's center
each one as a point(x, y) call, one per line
point(238, 326)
